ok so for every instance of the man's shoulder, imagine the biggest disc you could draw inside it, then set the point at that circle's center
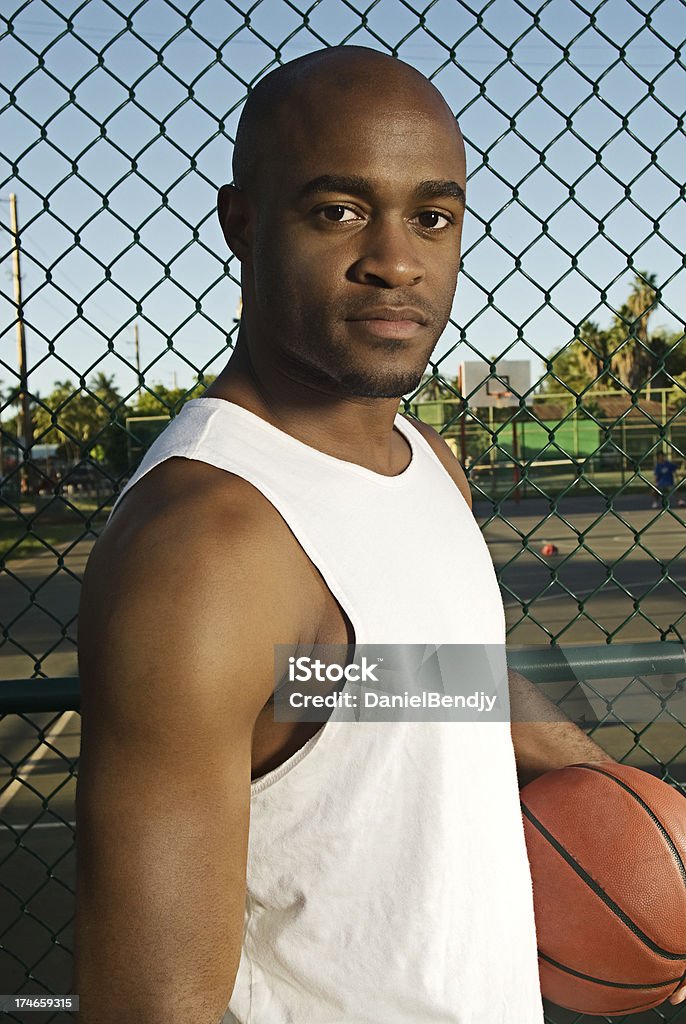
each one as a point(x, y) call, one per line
point(195, 535)
point(184, 514)
point(445, 455)
point(191, 496)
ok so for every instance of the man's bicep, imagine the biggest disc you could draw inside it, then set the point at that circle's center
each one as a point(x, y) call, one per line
point(169, 625)
point(174, 670)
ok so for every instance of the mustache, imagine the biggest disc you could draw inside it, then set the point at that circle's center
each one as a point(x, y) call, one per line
point(356, 311)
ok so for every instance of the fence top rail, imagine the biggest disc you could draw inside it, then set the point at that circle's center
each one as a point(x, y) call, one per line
point(609, 661)
point(549, 397)
point(539, 664)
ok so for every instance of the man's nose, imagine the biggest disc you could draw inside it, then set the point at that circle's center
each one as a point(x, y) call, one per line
point(390, 258)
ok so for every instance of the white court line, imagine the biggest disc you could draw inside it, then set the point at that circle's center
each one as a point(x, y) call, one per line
point(16, 784)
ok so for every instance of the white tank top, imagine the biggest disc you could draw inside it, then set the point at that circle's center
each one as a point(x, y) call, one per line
point(387, 875)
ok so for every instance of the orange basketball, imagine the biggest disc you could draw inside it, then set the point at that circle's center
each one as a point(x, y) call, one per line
point(607, 849)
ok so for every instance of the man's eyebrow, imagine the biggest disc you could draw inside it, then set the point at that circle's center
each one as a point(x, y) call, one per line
point(440, 190)
point(355, 185)
point(351, 184)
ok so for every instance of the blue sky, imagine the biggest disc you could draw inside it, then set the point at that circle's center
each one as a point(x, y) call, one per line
point(124, 217)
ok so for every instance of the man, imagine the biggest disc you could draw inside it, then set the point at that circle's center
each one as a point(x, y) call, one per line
point(664, 471)
point(355, 872)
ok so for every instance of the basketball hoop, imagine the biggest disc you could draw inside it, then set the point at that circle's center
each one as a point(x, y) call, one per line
point(501, 396)
point(496, 390)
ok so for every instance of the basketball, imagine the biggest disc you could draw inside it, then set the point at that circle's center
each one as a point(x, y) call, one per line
point(607, 849)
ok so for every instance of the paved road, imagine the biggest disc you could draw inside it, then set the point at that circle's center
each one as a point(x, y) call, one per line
point(643, 600)
point(37, 864)
point(39, 600)
point(38, 608)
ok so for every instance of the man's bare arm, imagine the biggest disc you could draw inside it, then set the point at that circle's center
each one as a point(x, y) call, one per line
point(176, 631)
point(543, 736)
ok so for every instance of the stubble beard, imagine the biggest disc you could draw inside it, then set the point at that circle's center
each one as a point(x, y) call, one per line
point(338, 373)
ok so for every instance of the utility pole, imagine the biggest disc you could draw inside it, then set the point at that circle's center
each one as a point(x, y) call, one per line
point(2, 452)
point(138, 350)
point(26, 433)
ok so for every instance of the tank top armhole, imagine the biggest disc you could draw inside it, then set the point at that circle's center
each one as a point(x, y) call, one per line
point(420, 441)
point(417, 438)
point(300, 534)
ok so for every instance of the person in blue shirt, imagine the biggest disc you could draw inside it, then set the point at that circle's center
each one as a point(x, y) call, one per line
point(664, 479)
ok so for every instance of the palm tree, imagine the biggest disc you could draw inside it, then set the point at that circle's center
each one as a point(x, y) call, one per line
point(594, 353)
point(633, 357)
point(10, 396)
point(62, 419)
point(103, 387)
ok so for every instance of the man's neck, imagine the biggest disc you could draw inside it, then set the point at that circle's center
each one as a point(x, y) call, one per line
point(358, 430)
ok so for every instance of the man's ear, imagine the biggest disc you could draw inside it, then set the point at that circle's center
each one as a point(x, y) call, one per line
point(234, 217)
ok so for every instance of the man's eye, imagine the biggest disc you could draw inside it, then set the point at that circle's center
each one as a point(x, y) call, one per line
point(338, 214)
point(433, 219)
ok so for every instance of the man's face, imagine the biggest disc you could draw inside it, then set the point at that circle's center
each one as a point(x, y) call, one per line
point(357, 225)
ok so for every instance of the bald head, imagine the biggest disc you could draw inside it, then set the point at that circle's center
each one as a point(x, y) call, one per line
point(346, 210)
point(339, 81)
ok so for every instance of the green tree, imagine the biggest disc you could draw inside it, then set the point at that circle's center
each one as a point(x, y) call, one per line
point(669, 350)
point(678, 397)
point(9, 428)
point(9, 398)
point(626, 352)
point(67, 418)
point(633, 357)
point(594, 354)
point(110, 447)
point(84, 423)
point(576, 367)
point(162, 401)
point(433, 388)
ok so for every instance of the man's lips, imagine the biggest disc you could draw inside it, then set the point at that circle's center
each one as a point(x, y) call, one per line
point(388, 322)
point(390, 313)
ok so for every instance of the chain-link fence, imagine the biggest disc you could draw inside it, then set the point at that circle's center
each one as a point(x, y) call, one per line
point(117, 123)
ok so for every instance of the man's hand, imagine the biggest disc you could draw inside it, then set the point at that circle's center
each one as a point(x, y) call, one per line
point(679, 995)
point(545, 739)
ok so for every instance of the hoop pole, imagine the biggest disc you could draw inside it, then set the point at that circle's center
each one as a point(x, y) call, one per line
point(463, 428)
point(515, 459)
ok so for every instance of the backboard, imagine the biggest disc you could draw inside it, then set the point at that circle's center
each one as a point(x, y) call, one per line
point(500, 389)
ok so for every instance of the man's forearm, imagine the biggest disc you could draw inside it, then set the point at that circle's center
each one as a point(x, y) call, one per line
point(544, 737)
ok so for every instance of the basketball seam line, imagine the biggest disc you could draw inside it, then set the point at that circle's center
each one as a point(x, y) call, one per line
point(593, 885)
point(665, 834)
point(602, 981)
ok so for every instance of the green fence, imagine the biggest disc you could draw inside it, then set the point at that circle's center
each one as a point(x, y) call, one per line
point(117, 305)
point(615, 456)
point(619, 682)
